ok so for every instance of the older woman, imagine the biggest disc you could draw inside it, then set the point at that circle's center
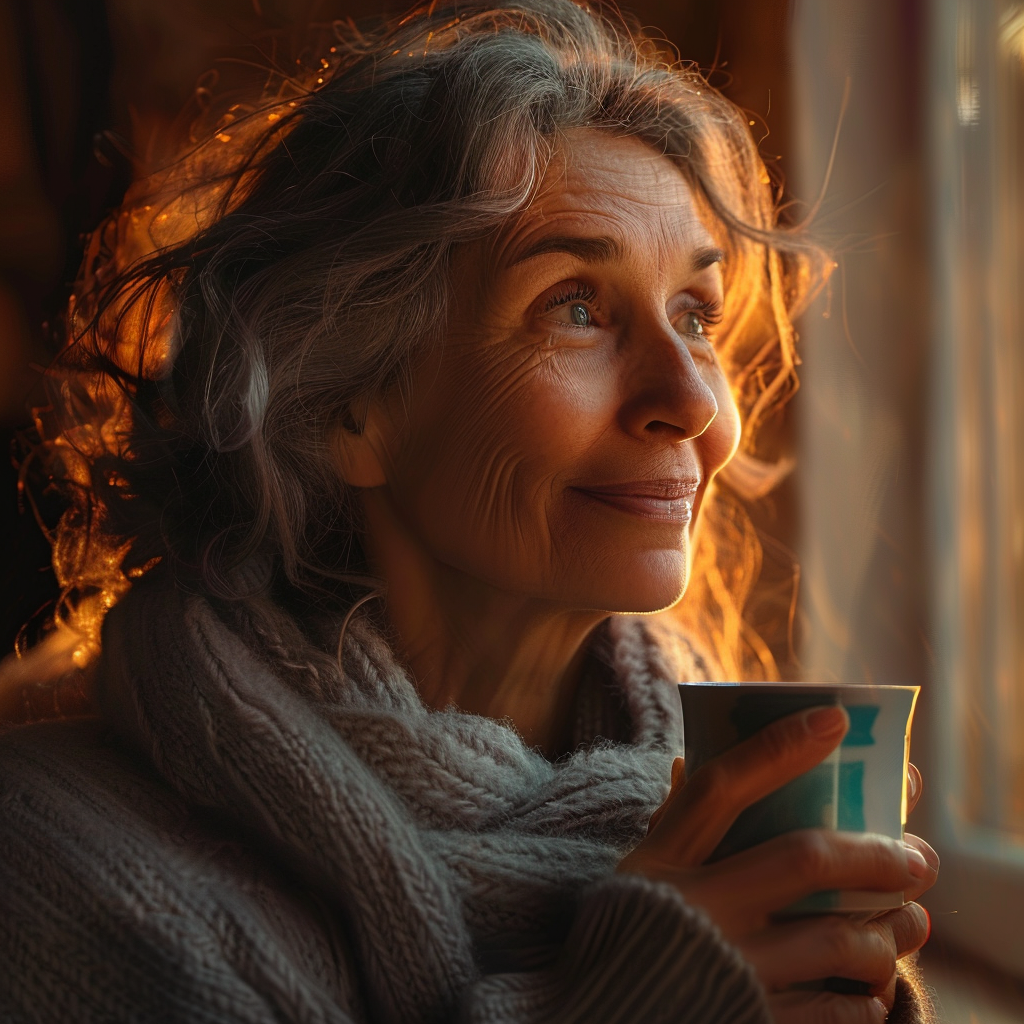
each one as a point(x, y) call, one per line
point(425, 404)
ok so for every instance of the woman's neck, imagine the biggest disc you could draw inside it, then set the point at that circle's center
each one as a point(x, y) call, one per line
point(467, 643)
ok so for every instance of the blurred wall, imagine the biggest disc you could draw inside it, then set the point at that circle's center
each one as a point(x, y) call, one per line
point(55, 67)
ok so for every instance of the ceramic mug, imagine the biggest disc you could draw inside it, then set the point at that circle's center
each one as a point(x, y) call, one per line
point(860, 787)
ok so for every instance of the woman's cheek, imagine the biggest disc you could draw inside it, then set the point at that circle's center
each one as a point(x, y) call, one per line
point(488, 437)
point(576, 393)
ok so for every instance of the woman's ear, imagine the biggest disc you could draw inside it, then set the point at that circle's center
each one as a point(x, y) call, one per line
point(358, 446)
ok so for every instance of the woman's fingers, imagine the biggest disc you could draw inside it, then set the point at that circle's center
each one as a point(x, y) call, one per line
point(743, 890)
point(915, 786)
point(910, 927)
point(830, 946)
point(835, 946)
point(925, 882)
point(826, 1008)
point(697, 815)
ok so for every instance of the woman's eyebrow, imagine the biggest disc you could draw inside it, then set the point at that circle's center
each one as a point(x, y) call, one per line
point(707, 257)
point(602, 249)
point(587, 249)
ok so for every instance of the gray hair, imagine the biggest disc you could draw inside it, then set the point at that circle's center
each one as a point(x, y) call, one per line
point(318, 266)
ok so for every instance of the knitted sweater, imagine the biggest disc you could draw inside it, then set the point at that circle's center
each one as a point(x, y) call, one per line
point(232, 843)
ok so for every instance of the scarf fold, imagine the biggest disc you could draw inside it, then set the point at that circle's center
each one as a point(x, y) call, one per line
point(405, 864)
point(433, 829)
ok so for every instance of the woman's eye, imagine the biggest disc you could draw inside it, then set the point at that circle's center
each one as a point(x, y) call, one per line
point(571, 307)
point(691, 323)
point(579, 315)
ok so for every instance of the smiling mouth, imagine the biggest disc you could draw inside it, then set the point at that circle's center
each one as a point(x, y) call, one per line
point(667, 501)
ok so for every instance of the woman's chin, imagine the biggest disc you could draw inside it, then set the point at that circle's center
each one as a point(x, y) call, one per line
point(650, 603)
point(642, 586)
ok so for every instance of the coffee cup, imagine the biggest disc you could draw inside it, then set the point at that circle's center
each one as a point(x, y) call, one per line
point(860, 787)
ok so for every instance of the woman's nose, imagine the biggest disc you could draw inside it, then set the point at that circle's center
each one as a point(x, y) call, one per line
point(664, 392)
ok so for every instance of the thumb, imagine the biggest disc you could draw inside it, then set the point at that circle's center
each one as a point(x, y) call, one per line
point(678, 779)
point(698, 814)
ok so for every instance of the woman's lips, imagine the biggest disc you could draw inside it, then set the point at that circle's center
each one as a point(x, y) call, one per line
point(669, 501)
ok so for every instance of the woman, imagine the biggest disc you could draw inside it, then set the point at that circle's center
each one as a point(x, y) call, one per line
point(423, 405)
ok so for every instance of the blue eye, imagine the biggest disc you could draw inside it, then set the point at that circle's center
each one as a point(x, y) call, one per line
point(698, 316)
point(691, 323)
point(571, 307)
point(579, 315)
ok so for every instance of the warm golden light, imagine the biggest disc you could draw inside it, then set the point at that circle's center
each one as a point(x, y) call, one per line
point(161, 211)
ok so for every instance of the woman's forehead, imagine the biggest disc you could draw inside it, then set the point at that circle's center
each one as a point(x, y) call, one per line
point(614, 188)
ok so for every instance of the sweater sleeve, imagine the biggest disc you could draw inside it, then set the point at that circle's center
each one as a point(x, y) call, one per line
point(109, 910)
point(115, 906)
point(636, 952)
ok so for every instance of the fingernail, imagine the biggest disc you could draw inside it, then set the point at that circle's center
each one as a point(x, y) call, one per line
point(911, 785)
point(916, 864)
point(931, 856)
point(882, 1009)
point(825, 721)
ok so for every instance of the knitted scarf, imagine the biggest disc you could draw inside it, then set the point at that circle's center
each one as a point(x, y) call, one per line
point(444, 870)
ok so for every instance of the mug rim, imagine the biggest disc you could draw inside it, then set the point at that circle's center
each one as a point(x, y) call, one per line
point(792, 687)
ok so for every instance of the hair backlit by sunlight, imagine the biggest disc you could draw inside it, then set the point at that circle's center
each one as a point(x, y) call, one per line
point(295, 260)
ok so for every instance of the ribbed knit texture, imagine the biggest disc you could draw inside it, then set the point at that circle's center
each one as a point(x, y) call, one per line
point(268, 852)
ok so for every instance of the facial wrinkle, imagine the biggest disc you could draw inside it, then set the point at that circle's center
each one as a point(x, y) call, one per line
point(511, 554)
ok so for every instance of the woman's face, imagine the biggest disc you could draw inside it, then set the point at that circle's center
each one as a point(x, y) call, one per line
point(559, 442)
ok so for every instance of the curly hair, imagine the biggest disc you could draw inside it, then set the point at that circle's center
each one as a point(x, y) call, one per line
point(296, 260)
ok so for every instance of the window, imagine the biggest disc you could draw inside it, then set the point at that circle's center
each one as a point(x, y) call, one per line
point(911, 413)
point(977, 470)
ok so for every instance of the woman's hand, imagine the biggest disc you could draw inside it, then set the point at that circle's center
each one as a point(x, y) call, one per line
point(741, 893)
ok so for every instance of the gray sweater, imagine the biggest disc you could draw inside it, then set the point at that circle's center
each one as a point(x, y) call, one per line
point(241, 838)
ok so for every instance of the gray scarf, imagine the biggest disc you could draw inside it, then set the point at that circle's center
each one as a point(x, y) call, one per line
point(454, 873)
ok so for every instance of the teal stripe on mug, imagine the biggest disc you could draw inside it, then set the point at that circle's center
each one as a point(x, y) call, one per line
point(816, 903)
point(850, 813)
point(862, 721)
